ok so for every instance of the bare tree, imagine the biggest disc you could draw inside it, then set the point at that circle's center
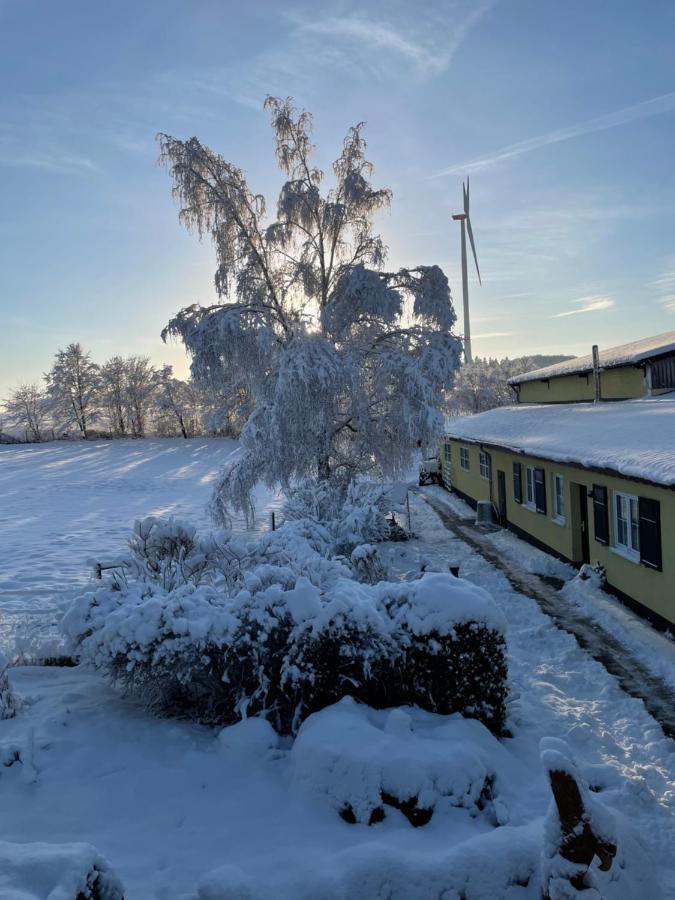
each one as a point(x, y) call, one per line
point(178, 402)
point(27, 408)
point(113, 394)
point(73, 384)
point(141, 385)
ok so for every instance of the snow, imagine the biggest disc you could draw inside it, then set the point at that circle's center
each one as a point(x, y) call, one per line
point(634, 438)
point(184, 812)
point(42, 871)
point(350, 756)
point(625, 354)
point(654, 649)
point(64, 503)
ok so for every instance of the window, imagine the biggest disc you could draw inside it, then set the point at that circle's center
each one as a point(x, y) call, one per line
point(464, 458)
point(626, 524)
point(529, 486)
point(558, 498)
point(484, 464)
point(535, 489)
point(447, 452)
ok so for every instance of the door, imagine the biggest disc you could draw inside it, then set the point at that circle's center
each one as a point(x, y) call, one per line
point(501, 496)
point(583, 523)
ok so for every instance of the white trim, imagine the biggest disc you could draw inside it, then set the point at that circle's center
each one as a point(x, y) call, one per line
point(464, 457)
point(484, 465)
point(631, 555)
point(558, 517)
point(627, 549)
point(529, 503)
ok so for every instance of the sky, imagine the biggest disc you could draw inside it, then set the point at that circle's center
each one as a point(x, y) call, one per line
point(563, 115)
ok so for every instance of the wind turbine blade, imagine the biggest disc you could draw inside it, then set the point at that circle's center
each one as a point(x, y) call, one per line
point(465, 192)
point(473, 247)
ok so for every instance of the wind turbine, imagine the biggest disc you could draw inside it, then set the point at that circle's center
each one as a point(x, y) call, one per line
point(466, 226)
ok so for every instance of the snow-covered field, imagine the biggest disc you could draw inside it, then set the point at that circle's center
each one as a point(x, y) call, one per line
point(168, 802)
point(64, 503)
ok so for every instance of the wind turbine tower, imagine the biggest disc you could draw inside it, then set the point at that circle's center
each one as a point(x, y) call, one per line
point(465, 221)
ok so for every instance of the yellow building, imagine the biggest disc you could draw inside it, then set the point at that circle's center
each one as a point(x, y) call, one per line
point(589, 482)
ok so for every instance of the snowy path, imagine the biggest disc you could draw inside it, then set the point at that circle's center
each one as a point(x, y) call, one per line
point(63, 503)
point(563, 692)
point(658, 697)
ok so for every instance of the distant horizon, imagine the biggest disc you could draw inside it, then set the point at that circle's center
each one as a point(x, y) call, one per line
point(564, 118)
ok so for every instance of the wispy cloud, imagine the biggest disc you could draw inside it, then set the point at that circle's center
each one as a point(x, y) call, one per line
point(390, 42)
point(587, 305)
point(657, 106)
point(58, 163)
point(664, 286)
point(428, 44)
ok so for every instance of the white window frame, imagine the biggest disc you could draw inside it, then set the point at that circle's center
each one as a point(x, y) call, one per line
point(631, 548)
point(529, 492)
point(484, 465)
point(464, 459)
point(447, 452)
point(558, 513)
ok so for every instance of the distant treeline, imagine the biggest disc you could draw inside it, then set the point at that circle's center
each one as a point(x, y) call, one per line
point(122, 397)
point(484, 384)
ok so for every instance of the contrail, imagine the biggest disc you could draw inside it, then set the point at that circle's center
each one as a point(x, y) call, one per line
point(647, 108)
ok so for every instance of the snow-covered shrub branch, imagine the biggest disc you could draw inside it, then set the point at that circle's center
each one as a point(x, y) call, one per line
point(346, 363)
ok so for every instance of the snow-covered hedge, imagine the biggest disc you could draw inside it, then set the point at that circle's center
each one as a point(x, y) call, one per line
point(276, 627)
point(366, 763)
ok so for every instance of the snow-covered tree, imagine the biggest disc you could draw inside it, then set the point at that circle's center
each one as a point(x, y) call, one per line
point(27, 408)
point(484, 384)
point(141, 386)
point(177, 404)
point(73, 384)
point(346, 362)
point(113, 394)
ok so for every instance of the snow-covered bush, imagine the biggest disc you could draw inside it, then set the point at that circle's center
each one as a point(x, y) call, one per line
point(353, 513)
point(56, 872)
point(454, 646)
point(366, 763)
point(227, 628)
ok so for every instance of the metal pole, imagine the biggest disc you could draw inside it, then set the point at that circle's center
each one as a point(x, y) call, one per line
point(468, 356)
point(274, 524)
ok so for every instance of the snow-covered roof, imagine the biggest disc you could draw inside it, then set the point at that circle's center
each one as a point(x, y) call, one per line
point(634, 438)
point(624, 355)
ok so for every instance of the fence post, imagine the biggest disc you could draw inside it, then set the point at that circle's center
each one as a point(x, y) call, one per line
point(274, 523)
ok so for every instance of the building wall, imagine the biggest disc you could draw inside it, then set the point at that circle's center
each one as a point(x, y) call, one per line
point(620, 383)
point(652, 590)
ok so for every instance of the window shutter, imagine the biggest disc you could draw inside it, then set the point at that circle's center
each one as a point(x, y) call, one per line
point(540, 490)
point(649, 513)
point(600, 514)
point(517, 482)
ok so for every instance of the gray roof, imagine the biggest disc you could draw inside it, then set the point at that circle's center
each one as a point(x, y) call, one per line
point(624, 355)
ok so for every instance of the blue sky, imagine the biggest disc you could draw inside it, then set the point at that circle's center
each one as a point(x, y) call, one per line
point(563, 114)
